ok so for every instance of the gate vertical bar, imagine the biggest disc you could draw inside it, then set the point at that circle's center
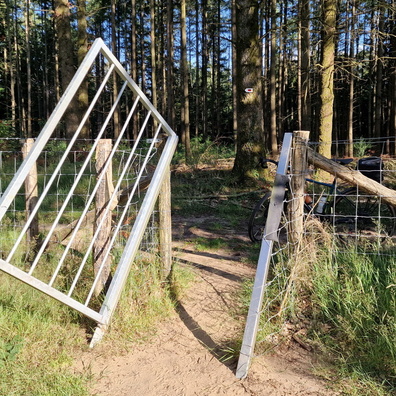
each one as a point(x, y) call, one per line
point(274, 212)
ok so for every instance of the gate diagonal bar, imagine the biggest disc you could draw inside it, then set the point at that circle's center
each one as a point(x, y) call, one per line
point(59, 260)
point(260, 280)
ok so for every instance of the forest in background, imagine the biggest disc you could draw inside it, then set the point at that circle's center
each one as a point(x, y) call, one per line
point(239, 71)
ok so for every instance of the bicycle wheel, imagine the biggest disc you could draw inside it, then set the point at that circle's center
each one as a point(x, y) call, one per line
point(258, 218)
point(361, 214)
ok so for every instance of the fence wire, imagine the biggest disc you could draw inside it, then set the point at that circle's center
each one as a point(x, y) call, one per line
point(57, 203)
point(338, 218)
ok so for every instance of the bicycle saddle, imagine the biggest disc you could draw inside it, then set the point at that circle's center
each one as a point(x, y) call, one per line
point(343, 161)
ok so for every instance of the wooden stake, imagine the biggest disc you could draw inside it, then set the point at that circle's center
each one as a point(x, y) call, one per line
point(31, 192)
point(165, 225)
point(103, 194)
point(297, 184)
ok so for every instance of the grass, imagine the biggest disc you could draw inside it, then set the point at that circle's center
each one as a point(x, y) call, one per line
point(355, 295)
point(37, 339)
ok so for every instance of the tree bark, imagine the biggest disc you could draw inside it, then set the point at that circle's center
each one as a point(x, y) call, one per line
point(233, 71)
point(66, 61)
point(185, 106)
point(82, 49)
point(28, 72)
point(329, 9)
point(351, 81)
point(379, 76)
point(116, 115)
point(250, 142)
point(273, 68)
point(169, 65)
point(153, 45)
point(304, 86)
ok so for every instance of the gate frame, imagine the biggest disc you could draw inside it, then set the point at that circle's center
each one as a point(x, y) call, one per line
point(102, 317)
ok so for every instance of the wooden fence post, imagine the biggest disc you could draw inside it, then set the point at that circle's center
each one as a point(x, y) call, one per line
point(165, 225)
point(297, 184)
point(31, 192)
point(103, 194)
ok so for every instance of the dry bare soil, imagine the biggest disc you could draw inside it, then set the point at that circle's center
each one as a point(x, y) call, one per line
point(187, 356)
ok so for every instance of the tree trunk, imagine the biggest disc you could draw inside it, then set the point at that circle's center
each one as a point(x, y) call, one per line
point(153, 45)
point(327, 77)
point(185, 106)
point(11, 65)
point(351, 81)
point(234, 63)
point(197, 72)
point(66, 61)
point(116, 115)
point(379, 76)
point(273, 67)
point(204, 67)
point(153, 49)
point(169, 65)
point(28, 72)
point(135, 119)
point(392, 88)
point(249, 91)
point(82, 49)
point(353, 177)
point(304, 86)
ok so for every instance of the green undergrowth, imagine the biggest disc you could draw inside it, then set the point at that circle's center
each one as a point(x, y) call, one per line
point(354, 317)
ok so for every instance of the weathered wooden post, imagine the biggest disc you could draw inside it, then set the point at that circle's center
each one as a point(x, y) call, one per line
point(103, 194)
point(165, 225)
point(31, 192)
point(297, 184)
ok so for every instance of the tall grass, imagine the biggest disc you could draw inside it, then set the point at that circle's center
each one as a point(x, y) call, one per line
point(354, 295)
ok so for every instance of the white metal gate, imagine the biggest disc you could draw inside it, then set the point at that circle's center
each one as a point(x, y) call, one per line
point(71, 279)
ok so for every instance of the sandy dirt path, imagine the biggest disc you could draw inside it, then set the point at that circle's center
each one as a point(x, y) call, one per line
point(184, 357)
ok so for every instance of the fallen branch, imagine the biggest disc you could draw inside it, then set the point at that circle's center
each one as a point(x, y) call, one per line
point(353, 177)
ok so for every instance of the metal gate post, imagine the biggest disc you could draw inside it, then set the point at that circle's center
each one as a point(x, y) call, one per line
point(273, 219)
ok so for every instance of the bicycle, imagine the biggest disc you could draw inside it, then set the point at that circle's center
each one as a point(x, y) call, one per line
point(348, 211)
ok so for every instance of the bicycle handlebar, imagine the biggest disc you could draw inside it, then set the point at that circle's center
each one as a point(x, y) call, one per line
point(263, 162)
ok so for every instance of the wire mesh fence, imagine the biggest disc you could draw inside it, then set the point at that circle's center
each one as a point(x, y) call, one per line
point(54, 240)
point(339, 217)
